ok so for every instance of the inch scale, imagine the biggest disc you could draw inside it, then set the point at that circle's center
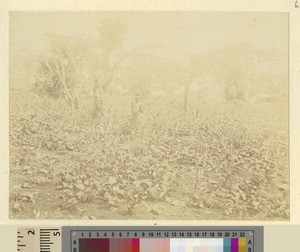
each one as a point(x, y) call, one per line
point(39, 239)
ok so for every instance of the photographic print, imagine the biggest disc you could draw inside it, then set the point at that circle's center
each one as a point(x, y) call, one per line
point(149, 115)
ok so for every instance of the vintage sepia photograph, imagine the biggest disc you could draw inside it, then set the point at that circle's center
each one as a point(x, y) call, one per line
point(149, 115)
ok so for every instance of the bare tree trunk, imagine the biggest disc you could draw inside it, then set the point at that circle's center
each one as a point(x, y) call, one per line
point(104, 77)
point(58, 67)
point(78, 80)
point(60, 71)
point(186, 91)
point(98, 101)
point(75, 100)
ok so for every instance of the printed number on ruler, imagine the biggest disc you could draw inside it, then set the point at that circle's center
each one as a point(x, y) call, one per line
point(39, 240)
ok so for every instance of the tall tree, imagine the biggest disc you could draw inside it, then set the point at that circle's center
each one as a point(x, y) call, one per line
point(64, 67)
point(110, 39)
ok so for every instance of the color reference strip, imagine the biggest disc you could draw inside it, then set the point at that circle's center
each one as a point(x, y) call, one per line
point(162, 245)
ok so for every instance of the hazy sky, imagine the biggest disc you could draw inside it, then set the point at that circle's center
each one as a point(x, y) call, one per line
point(178, 32)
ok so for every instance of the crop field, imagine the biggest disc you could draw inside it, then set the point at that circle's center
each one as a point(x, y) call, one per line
point(227, 162)
point(149, 116)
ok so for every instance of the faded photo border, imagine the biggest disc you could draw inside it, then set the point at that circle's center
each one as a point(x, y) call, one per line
point(138, 5)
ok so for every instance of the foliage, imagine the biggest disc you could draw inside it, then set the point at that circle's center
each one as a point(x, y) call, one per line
point(223, 161)
point(46, 82)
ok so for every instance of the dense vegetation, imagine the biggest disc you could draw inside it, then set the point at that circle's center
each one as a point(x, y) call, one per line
point(222, 164)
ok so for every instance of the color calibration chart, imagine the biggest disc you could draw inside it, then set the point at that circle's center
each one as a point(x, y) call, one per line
point(163, 239)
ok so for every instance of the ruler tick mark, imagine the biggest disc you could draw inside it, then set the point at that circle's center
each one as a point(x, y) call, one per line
point(41, 239)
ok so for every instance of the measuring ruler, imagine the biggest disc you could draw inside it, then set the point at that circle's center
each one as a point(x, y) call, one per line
point(39, 239)
point(111, 239)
